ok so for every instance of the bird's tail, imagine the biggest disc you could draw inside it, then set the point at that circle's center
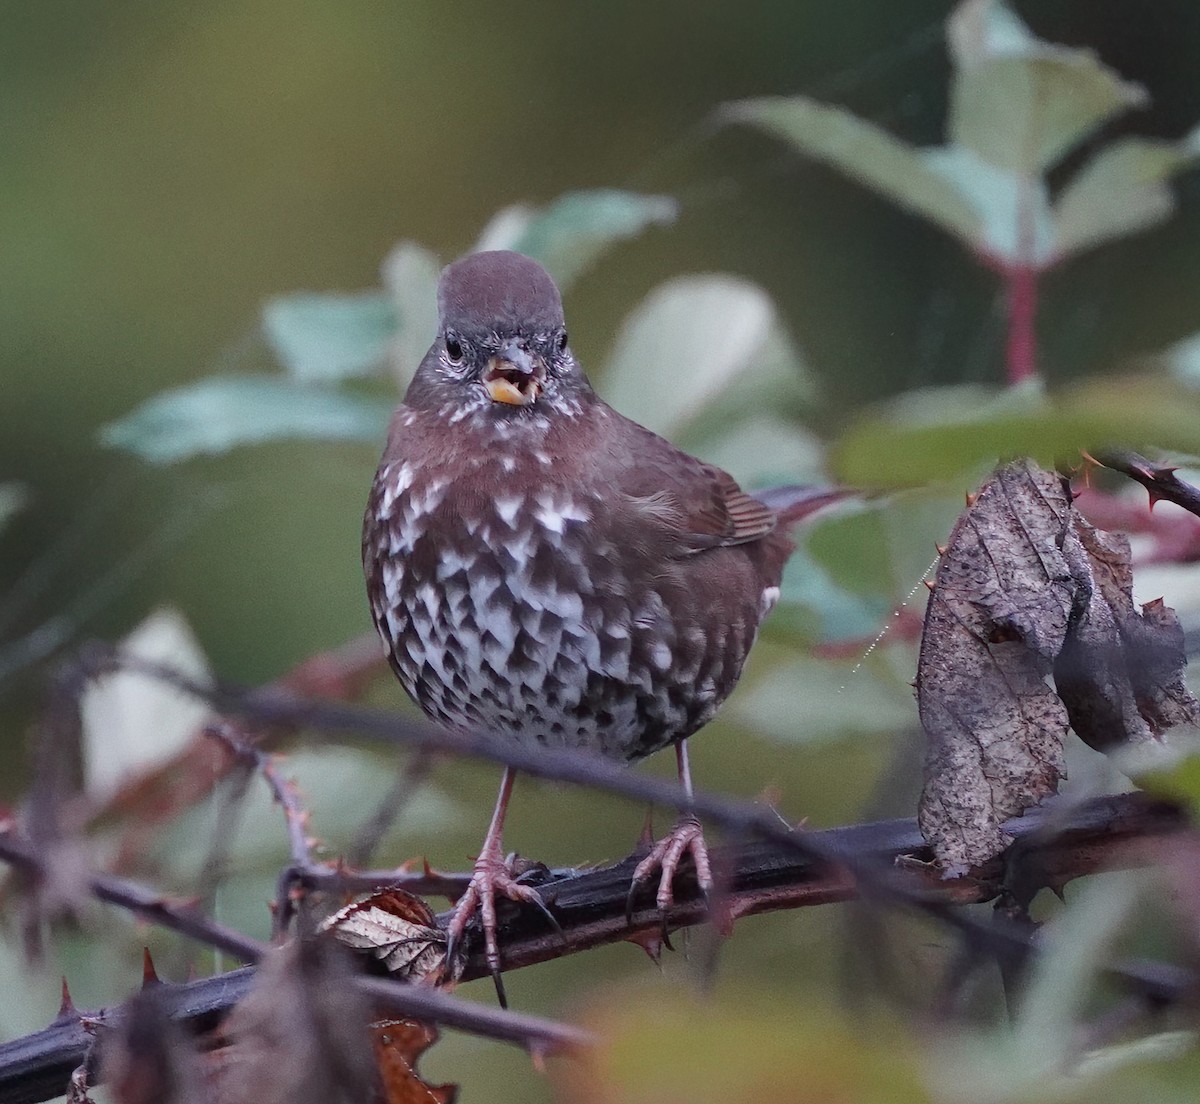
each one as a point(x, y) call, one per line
point(793, 504)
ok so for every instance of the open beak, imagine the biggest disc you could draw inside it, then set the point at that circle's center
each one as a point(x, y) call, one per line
point(514, 376)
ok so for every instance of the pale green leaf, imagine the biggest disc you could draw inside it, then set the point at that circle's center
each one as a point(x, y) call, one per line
point(1013, 211)
point(506, 227)
point(1168, 768)
point(807, 700)
point(870, 155)
point(131, 721)
point(930, 437)
point(1020, 103)
point(764, 450)
point(327, 337)
point(696, 346)
point(410, 274)
point(1075, 948)
point(224, 412)
point(340, 788)
point(839, 614)
point(1182, 360)
point(570, 234)
point(1122, 189)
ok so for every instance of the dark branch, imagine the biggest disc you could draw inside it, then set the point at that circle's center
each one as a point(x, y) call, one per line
point(1160, 480)
point(1059, 842)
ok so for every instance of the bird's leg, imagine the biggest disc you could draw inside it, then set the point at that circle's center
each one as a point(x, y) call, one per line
point(686, 838)
point(492, 876)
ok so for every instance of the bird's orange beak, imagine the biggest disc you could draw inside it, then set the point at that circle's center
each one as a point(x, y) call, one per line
point(514, 376)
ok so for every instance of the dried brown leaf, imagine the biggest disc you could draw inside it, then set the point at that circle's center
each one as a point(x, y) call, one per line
point(997, 619)
point(148, 1059)
point(1027, 588)
point(1120, 673)
point(300, 1036)
point(398, 929)
point(398, 1046)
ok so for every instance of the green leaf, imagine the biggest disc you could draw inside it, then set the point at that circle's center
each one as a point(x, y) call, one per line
point(764, 450)
point(410, 274)
point(325, 337)
point(570, 234)
point(807, 700)
point(1075, 948)
point(224, 412)
point(1122, 189)
point(840, 614)
point(870, 155)
point(1168, 769)
point(1182, 360)
point(1020, 103)
point(1013, 211)
point(12, 500)
point(701, 346)
point(931, 435)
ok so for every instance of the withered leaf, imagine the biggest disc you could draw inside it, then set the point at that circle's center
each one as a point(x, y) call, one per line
point(398, 929)
point(1026, 589)
point(148, 1059)
point(398, 1046)
point(299, 1036)
point(996, 620)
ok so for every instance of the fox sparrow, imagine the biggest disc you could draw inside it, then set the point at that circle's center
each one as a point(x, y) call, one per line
point(543, 569)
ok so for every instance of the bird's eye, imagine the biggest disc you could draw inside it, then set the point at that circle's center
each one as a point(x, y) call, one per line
point(562, 342)
point(454, 350)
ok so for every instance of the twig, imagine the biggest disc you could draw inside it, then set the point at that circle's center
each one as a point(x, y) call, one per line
point(145, 903)
point(1160, 480)
point(272, 707)
point(295, 816)
point(189, 777)
point(1101, 834)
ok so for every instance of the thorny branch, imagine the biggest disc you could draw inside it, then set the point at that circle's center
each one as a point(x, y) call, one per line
point(1160, 480)
point(1060, 843)
point(781, 868)
point(271, 706)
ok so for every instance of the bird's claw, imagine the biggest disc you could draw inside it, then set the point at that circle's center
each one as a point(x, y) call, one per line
point(686, 838)
point(493, 876)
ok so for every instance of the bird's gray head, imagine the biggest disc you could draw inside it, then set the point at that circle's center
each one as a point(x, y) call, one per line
point(501, 349)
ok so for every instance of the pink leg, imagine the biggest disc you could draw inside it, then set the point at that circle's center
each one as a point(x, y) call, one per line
point(686, 838)
point(492, 876)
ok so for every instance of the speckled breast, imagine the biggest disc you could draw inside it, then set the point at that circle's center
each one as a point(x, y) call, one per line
point(520, 614)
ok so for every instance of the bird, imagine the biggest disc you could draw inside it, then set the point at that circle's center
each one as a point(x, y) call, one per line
point(545, 570)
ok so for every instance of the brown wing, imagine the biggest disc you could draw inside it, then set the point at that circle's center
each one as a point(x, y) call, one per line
point(693, 505)
point(726, 513)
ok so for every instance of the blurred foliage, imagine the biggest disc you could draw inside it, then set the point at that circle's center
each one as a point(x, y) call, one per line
point(175, 177)
point(1018, 106)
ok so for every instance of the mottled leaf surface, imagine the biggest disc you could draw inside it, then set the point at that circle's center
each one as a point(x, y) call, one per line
point(996, 620)
point(1027, 589)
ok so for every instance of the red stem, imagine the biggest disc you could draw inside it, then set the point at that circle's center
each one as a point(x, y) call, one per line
point(1021, 349)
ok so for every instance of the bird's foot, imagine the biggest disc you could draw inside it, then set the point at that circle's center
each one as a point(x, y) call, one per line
point(494, 876)
point(686, 838)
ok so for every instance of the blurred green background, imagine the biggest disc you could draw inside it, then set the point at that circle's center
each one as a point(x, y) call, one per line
point(168, 166)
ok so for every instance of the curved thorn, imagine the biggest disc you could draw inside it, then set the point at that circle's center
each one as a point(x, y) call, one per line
point(150, 976)
point(67, 1007)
